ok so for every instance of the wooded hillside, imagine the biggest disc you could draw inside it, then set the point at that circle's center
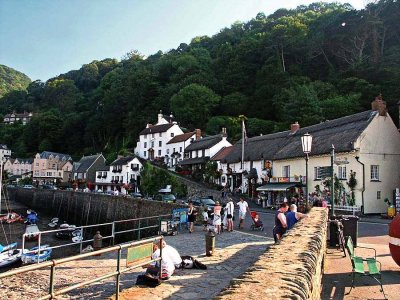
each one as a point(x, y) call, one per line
point(309, 64)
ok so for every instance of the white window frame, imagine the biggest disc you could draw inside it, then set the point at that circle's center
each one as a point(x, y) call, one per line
point(317, 173)
point(374, 173)
point(342, 172)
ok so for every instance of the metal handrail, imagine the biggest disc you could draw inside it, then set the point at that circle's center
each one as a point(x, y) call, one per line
point(112, 236)
point(55, 262)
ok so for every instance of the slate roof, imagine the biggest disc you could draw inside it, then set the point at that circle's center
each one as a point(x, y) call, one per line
point(122, 161)
point(342, 133)
point(193, 161)
point(46, 155)
point(86, 161)
point(181, 137)
point(156, 129)
point(204, 143)
point(104, 168)
point(25, 160)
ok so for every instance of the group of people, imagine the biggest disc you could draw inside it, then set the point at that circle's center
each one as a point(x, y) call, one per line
point(285, 218)
point(223, 216)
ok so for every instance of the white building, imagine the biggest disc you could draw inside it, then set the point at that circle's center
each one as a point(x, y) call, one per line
point(176, 146)
point(368, 143)
point(18, 166)
point(4, 153)
point(123, 175)
point(153, 139)
point(200, 151)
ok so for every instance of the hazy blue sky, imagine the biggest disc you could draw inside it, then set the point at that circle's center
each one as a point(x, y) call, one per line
point(44, 38)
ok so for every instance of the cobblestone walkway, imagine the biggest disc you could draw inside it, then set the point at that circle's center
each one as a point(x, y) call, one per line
point(235, 252)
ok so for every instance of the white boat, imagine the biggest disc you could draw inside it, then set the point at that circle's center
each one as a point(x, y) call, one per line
point(31, 232)
point(10, 257)
point(52, 225)
point(67, 226)
point(7, 247)
point(54, 220)
point(34, 256)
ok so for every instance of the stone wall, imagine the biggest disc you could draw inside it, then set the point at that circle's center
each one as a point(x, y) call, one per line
point(291, 269)
point(88, 208)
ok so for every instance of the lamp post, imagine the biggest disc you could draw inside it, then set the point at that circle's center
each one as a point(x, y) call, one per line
point(306, 143)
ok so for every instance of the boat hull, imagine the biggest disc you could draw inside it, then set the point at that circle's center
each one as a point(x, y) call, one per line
point(10, 257)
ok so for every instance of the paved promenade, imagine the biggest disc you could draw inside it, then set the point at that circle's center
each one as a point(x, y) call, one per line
point(235, 252)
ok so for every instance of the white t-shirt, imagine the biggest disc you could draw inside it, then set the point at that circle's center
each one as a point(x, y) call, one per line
point(230, 208)
point(167, 264)
point(243, 206)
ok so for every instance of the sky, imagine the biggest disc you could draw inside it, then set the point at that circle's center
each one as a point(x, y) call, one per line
point(45, 38)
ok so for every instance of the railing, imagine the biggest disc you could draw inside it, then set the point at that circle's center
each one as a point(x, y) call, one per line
point(112, 228)
point(352, 209)
point(117, 273)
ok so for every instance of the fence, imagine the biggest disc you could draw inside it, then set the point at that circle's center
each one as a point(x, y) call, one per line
point(117, 273)
point(352, 209)
point(112, 228)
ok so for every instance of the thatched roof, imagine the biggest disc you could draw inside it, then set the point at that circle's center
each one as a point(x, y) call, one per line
point(342, 133)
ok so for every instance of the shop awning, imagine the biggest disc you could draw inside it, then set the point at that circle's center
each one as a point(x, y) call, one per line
point(275, 187)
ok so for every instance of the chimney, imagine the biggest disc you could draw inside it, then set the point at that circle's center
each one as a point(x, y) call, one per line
point(379, 105)
point(198, 134)
point(294, 127)
point(224, 134)
point(160, 116)
point(149, 125)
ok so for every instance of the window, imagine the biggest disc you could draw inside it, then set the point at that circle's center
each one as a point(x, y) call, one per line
point(286, 171)
point(145, 145)
point(112, 178)
point(342, 172)
point(192, 139)
point(374, 172)
point(172, 134)
point(223, 179)
point(173, 150)
point(180, 149)
point(152, 144)
point(167, 151)
point(159, 143)
point(317, 173)
point(378, 195)
point(144, 153)
point(159, 152)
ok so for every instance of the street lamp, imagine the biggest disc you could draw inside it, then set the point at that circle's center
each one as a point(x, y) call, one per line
point(306, 143)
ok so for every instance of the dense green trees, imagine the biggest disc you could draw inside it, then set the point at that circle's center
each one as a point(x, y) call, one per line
point(11, 80)
point(308, 64)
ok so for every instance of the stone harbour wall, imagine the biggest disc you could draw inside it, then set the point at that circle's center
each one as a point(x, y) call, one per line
point(291, 269)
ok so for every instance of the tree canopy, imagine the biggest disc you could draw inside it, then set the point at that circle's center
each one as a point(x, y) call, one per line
point(308, 64)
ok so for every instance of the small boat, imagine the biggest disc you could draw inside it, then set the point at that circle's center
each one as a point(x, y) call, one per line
point(7, 247)
point(77, 232)
point(31, 232)
point(64, 235)
point(11, 217)
point(35, 255)
point(67, 226)
point(52, 225)
point(77, 239)
point(54, 220)
point(10, 257)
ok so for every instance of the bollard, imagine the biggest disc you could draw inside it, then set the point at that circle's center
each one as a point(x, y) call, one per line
point(210, 243)
point(97, 241)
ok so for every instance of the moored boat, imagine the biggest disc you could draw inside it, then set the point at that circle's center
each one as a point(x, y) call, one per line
point(11, 217)
point(10, 257)
point(31, 232)
point(35, 255)
point(7, 247)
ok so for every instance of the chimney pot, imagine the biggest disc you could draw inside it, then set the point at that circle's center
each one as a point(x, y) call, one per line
point(379, 105)
point(294, 127)
point(198, 134)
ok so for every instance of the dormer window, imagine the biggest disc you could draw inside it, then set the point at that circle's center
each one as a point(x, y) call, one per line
point(172, 134)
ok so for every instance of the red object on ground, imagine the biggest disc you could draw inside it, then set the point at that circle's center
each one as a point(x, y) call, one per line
point(394, 239)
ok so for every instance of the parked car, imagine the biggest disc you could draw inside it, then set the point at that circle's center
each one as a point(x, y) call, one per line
point(28, 186)
point(136, 195)
point(205, 202)
point(48, 187)
point(169, 198)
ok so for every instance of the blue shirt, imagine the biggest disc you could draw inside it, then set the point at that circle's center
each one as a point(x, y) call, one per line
point(291, 219)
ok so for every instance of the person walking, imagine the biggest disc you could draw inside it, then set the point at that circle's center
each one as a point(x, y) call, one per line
point(292, 217)
point(205, 218)
point(217, 217)
point(243, 208)
point(230, 210)
point(280, 222)
point(191, 216)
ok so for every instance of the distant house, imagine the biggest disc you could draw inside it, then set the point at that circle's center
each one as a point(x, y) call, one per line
point(154, 138)
point(84, 171)
point(19, 166)
point(366, 145)
point(13, 117)
point(123, 175)
point(176, 146)
point(4, 153)
point(49, 167)
point(199, 152)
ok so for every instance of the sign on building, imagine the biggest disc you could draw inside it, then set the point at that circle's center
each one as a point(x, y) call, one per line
point(325, 172)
